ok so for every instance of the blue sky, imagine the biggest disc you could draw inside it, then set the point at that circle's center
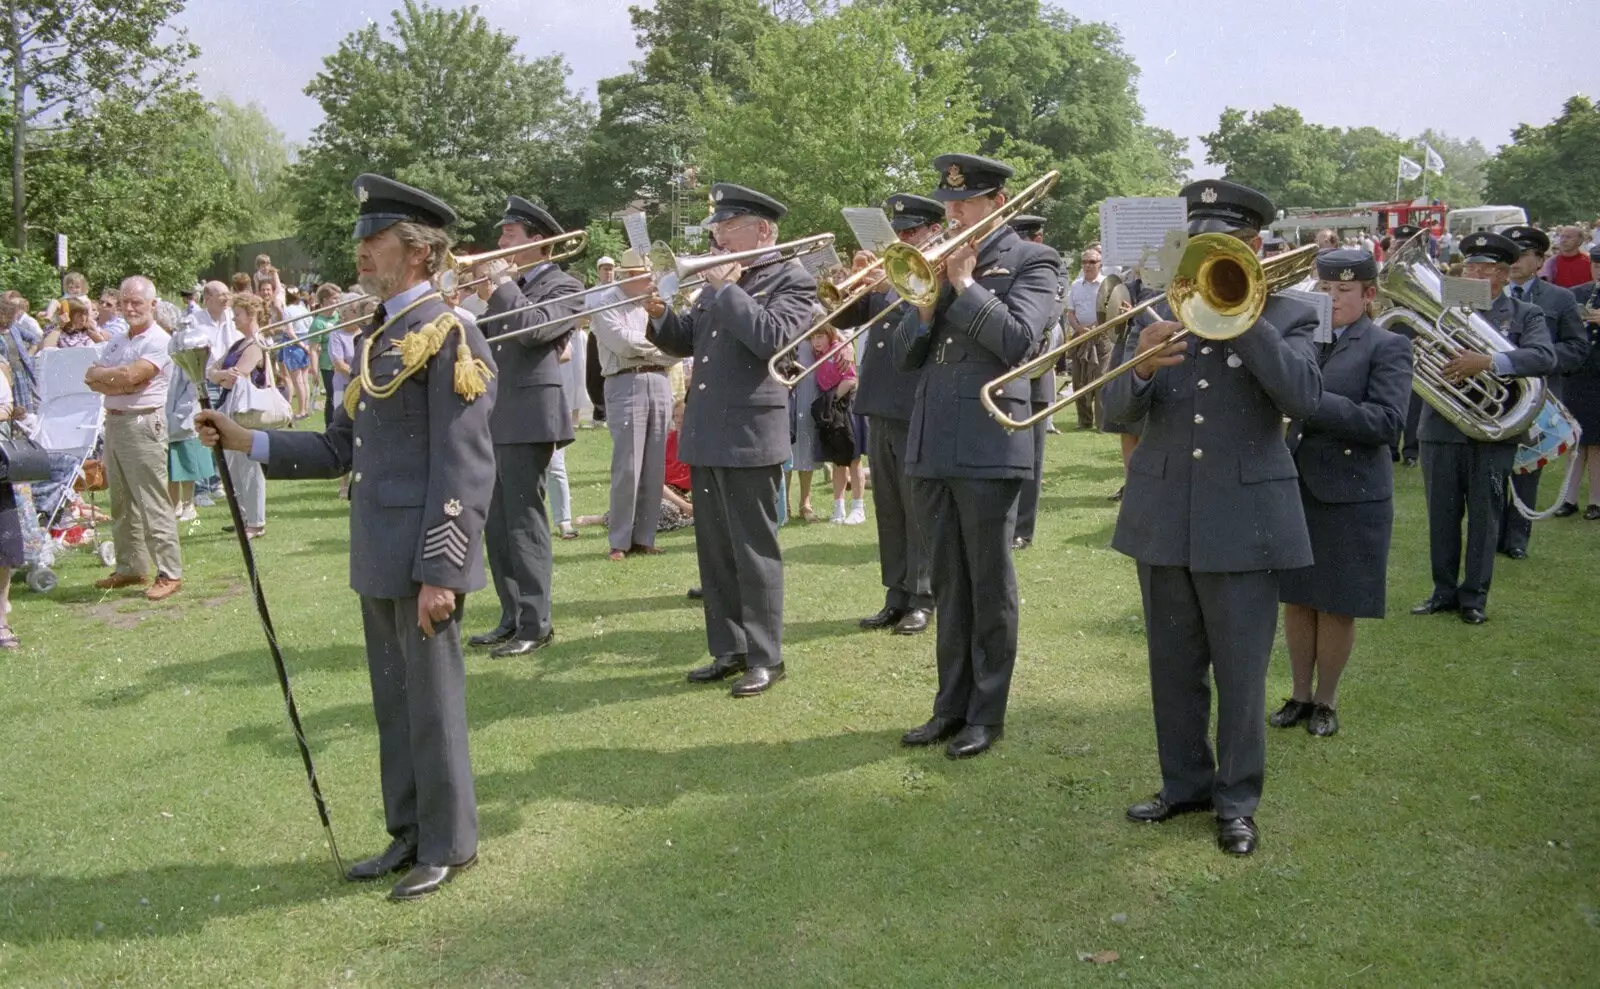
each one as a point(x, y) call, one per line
point(1471, 68)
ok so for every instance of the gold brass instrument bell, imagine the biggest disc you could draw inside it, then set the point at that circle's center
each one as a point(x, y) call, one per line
point(1217, 293)
point(572, 243)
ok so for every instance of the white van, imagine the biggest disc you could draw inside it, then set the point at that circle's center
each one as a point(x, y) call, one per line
point(1460, 222)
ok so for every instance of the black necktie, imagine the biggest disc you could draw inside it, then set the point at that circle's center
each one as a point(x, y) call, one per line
point(1327, 349)
point(379, 317)
point(1516, 292)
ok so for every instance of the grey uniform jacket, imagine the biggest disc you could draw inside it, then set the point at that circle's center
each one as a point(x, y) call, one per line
point(1564, 322)
point(978, 335)
point(1043, 388)
point(531, 407)
point(884, 391)
point(1342, 449)
point(736, 414)
point(1588, 294)
point(423, 469)
point(1211, 485)
point(1534, 356)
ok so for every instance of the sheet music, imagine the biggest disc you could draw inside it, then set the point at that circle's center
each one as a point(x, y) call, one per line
point(1465, 293)
point(1133, 229)
point(1322, 302)
point(638, 234)
point(820, 261)
point(870, 226)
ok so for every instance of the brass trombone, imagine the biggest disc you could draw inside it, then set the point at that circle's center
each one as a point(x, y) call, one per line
point(326, 330)
point(1217, 293)
point(448, 279)
point(310, 312)
point(916, 275)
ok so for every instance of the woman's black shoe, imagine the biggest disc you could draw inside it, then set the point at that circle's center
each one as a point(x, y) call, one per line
point(1290, 714)
point(1591, 513)
point(1564, 509)
point(1324, 721)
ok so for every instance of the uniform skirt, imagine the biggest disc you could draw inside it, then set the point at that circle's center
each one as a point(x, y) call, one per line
point(13, 553)
point(1581, 393)
point(188, 460)
point(1350, 547)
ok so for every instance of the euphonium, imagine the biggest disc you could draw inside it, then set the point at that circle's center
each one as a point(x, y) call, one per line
point(1485, 406)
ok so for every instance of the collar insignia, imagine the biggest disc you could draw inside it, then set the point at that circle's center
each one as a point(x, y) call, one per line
point(1208, 195)
point(1348, 274)
point(362, 194)
point(954, 179)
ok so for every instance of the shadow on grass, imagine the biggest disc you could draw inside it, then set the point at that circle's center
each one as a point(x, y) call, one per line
point(246, 668)
point(164, 901)
point(832, 554)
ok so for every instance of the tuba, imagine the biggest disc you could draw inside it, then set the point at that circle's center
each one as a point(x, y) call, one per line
point(1486, 407)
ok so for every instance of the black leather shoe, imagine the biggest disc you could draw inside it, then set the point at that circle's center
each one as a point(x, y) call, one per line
point(1021, 542)
point(399, 855)
point(493, 637)
point(1237, 835)
point(883, 619)
point(1517, 553)
point(1564, 509)
point(425, 879)
point(720, 668)
point(1591, 513)
point(973, 740)
point(696, 594)
point(1410, 462)
point(1324, 721)
point(1117, 496)
point(934, 730)
point(756, 680)
point(916, 620)
point(1156, 809)
point(1290, 714)
point(1473, 616)
point(521, 647)
point(1434, 605)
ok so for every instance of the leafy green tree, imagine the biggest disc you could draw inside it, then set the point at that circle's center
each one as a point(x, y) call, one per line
point(1553, 171)
point(137, 187)
point(841, 111)
point(60, 56)
point(1277, 152)
point(443, 102)
point(255, 155)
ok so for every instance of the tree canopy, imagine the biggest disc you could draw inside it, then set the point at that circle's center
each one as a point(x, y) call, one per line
point(1553, 171)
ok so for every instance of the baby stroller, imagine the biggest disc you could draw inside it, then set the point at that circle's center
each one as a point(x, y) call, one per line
point(70, 422)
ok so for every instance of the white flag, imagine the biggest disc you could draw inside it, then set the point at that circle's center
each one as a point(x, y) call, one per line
point(1435, 163)
point(1409, 169)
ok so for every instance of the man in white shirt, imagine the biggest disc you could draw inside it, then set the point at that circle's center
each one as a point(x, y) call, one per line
point(216, 318)
point(132, 373)
point(1088, 361)
point(638, 401)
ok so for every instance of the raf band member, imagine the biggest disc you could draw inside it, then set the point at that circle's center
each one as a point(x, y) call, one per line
point(995, 300)
point(1461, 475)
point(1406, 450)
point(1347, 490)
point(735, 434)
point(1212, 514)
point(418, 443)
point(1042, 392)
point(530, 422)
point(886, 396)
point(1570, 338)
point(1581, 393)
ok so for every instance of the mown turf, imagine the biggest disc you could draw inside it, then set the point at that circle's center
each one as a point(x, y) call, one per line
point(155, 827)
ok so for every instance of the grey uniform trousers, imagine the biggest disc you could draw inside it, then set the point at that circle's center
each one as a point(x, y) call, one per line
point(741, 566)
point(639, 413)
point(419, 694)
point(902, 537)
point(1028, 503)
point(1201, 625)
point(970, 526)
point(1465, 479)
point(517, 534)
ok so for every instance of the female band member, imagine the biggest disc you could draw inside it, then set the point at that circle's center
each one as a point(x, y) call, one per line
point(1347, 489)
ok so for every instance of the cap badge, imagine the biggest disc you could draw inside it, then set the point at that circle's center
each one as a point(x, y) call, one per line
point(452, 508)
point(899, 207)
point(1208, 195)
point(954, 179)
point(362, 194)
point(717, 196)
point(1347, 275)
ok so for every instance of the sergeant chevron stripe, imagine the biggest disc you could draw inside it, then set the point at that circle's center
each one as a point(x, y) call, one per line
point(448, 541)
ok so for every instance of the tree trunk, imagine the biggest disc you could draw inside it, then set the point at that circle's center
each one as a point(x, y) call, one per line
point(19, 91)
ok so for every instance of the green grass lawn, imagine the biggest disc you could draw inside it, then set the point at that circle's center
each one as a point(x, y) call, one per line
point(156, 830)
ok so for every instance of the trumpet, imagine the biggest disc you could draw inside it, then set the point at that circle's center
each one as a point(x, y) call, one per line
point(1217, 293)
point(837, 295)
point(573, 244)
point(916, 275)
